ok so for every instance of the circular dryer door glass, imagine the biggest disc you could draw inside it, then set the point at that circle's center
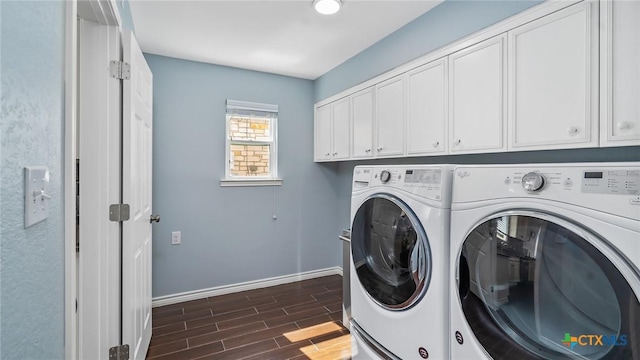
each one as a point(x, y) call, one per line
point(390, 252)
point(533, 286)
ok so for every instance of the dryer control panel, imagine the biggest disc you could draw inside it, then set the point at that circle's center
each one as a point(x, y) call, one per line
point(608, 187)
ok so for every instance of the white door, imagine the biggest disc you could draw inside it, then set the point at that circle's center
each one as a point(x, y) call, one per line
point(553, 76)
point(390, 117)
point(427, 110)
point(362, 138)
point(620, 73)
point(341, 128)
point(476, 101)
point(323, 133)
point(136, 191)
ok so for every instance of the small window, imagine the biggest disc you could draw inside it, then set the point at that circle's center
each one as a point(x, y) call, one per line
point(251, 144)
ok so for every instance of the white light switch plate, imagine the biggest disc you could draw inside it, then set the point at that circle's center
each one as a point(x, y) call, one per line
point(36, 194)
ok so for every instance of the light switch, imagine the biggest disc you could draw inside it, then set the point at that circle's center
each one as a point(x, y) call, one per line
point(36, 194)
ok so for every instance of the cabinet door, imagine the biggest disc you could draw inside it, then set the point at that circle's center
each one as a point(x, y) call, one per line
point(341, 129)
point(476, 98)
point(620, 73)
point(427, 109)
point(363, 113)
point(323, 133)
point(553, 69)
point(390, 117)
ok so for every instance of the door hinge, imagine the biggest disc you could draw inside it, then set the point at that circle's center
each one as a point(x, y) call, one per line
point(120, 352)
point(120, 70)
point(119, 212)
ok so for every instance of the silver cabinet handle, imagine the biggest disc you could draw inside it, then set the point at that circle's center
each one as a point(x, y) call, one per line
point(436, 144)
point(327, 154)
point(335, 153)
point(624, 125)
point(457, 142)
point(368, 151)
point(154, 218)
point(379, 149)
point(573, 130)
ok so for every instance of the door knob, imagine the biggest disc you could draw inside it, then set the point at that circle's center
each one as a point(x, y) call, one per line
point(155, 218)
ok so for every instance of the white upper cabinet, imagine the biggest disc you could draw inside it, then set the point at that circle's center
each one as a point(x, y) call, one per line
point(560, 75)
point(323, 133)
point(390, 107)
point(553, 77)
point(363, 119)
point(620, 73)
point(427, 109)
point(333, 131)
point(477, 97)
point(341, 129)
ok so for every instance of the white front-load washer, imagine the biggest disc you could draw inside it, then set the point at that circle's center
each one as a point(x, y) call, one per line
point(399, 261)
point(544, 261)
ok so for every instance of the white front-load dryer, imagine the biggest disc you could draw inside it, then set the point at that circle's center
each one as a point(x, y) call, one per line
point(544, 261)
point(399, 261)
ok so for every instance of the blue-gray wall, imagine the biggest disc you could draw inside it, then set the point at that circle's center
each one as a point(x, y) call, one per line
point(228, 233)
point(32, 260)
point(442, 25)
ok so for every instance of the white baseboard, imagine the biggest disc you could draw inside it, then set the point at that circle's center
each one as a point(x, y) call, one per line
point(249, 285)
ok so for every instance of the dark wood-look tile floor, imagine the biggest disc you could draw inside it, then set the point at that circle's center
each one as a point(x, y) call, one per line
point(300, 321)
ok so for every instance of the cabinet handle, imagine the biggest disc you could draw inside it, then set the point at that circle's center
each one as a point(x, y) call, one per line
point(368, 151)
point(436, 144)
point(624, 125)
point(457, 142)
point(327, 154)
point(335, 153)
point(573, 130)
point(379, 149)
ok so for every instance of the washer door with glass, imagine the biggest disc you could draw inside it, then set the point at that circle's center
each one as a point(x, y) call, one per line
point(390, 252)
point(534, 286)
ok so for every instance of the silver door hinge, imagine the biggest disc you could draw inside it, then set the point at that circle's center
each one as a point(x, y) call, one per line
point(119, 212)
point(120, 70)
point(120, 352)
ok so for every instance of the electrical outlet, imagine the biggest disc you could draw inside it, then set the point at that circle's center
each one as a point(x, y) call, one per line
point(176, 238)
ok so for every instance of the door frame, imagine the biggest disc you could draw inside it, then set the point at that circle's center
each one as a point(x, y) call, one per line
point(70, 103)
point(92, 315)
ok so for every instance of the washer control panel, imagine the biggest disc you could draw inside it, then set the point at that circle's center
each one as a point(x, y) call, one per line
point(409, 178)
point(423, 181)
point(611, 182)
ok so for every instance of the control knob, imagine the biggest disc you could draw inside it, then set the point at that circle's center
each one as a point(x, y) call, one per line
point(533, 181)
point(385, 176)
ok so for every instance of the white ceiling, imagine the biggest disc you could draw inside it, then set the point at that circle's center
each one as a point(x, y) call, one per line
point(277, 36)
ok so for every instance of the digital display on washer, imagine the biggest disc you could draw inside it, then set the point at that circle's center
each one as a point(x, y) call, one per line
point(619, 181)
point(423, 176)
point(593, 174)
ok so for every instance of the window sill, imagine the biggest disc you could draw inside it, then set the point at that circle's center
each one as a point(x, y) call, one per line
point(250, 182)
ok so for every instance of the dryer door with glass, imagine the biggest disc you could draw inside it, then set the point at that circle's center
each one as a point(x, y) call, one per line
point(534, 285)
point(390, 252)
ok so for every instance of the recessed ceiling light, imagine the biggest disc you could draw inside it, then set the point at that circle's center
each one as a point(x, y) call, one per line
point(327, 7)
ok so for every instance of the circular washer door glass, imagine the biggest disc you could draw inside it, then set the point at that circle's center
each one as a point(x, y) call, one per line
point(533, 286)
point(390, 252)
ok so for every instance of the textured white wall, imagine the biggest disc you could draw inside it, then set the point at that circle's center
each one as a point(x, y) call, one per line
point(32, 117)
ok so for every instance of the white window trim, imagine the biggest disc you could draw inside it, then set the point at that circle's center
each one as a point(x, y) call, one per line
point(273, 180)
